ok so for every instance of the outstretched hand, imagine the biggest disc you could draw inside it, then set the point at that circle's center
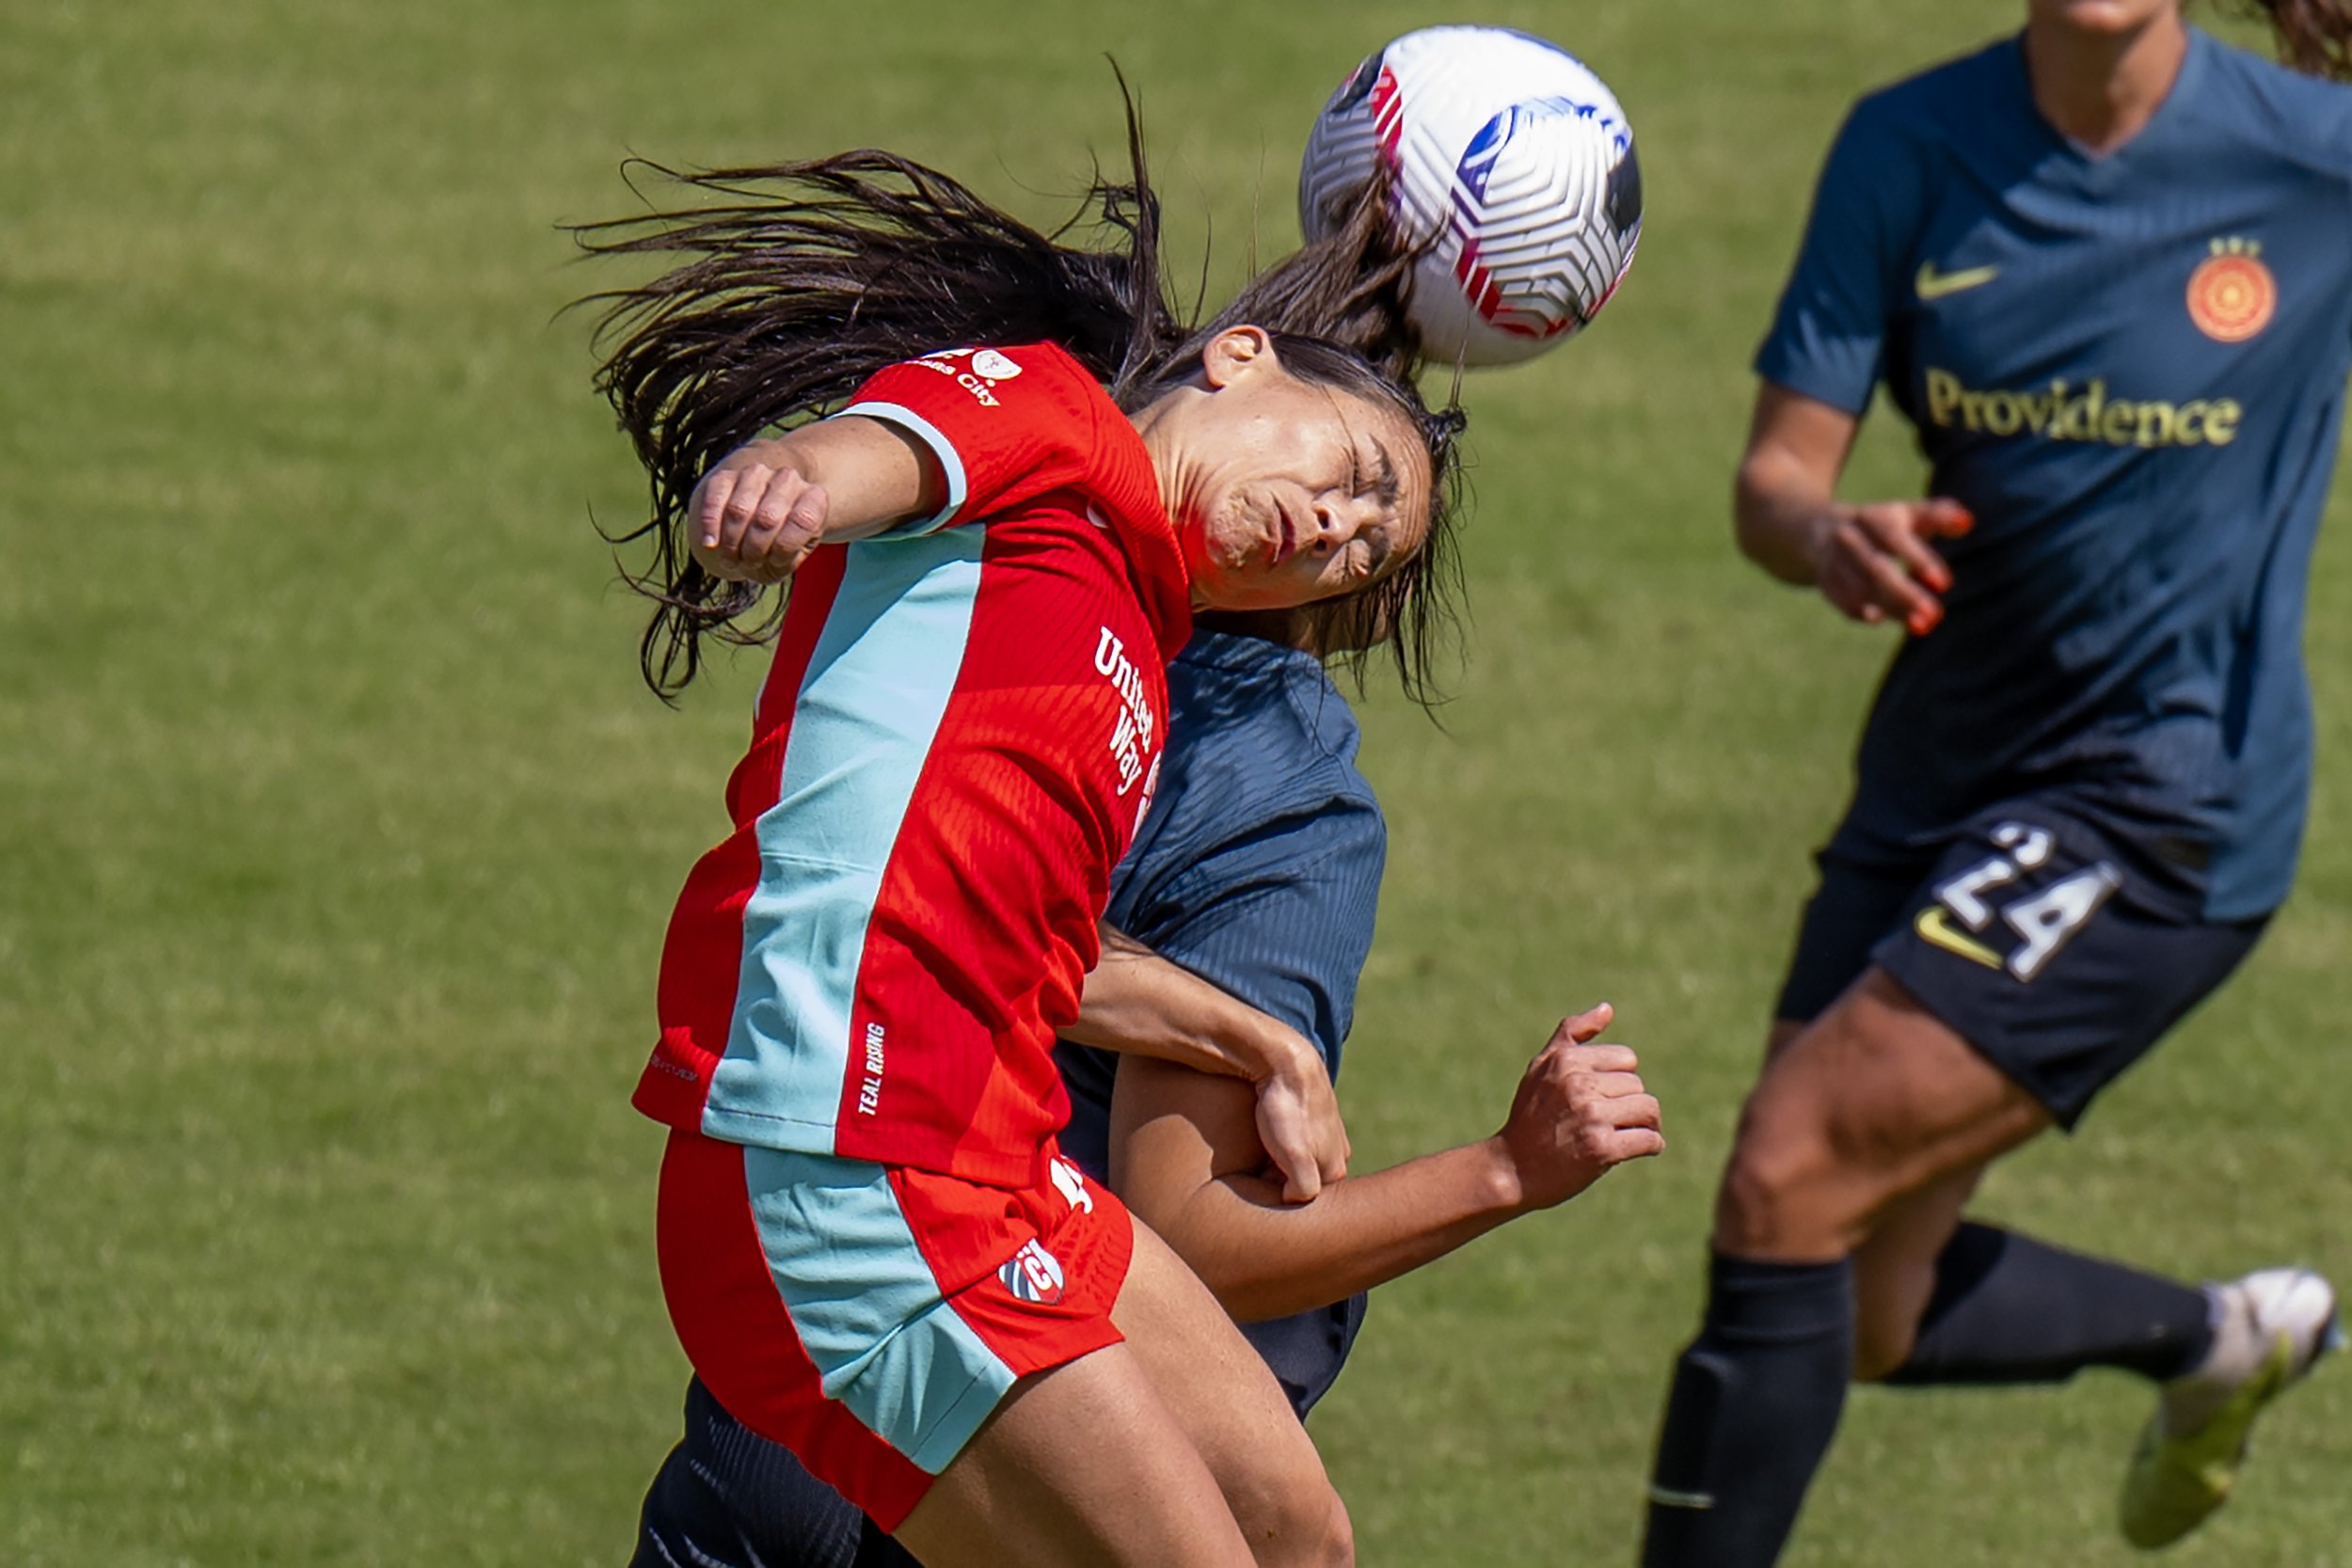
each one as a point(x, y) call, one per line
point(750, 522)
point(1580, 1111)
point(1874, 561)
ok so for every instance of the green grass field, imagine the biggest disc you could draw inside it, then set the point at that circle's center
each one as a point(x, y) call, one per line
point(339, 835)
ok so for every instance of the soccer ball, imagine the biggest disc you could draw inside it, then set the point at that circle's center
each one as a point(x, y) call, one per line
point(1511, 165)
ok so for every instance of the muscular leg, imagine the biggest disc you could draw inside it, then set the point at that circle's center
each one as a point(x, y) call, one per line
point(1895, 1266)
point(1875, 1101)
point(1938, 1300)
point(1839, 1232)
point(1079, 1465)
point(1142, 1453)
point(1228, 1402)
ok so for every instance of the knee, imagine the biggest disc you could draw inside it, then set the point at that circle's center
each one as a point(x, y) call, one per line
point(1303, 1525)
point(1788, 1191)
point(1333, 1543)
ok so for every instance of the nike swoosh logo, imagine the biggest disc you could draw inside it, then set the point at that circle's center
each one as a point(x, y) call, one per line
point(1935, 285)
point(1936, 924)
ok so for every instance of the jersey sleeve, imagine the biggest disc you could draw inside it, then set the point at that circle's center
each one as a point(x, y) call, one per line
point(1007, 425)
point(1281, 918)
point(1828, 339)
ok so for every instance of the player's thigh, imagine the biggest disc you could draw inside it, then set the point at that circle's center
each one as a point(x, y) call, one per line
point(1078, 1465)
point(1874, 1100)
point(1229, 1403)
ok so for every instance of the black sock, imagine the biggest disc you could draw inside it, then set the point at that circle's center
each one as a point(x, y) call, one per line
point(2008, 1309)
point(728, 1495)
point(1754, 1403)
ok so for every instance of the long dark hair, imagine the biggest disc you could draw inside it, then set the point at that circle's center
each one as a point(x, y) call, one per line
point(805, 279)
point(2314, 36)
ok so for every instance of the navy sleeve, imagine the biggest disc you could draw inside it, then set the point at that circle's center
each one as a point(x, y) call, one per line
point(1828, 339)
point(1281, 918)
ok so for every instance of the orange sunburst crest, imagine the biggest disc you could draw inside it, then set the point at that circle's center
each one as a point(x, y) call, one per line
point(2233, 293)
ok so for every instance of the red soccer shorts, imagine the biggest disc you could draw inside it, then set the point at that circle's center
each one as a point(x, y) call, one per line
point(870, 1317)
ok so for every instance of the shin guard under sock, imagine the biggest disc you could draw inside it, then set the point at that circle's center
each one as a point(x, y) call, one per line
point(2008, 1309)
point(1755, 1401)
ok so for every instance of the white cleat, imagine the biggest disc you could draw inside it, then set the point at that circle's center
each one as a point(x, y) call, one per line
point(2271, 1328)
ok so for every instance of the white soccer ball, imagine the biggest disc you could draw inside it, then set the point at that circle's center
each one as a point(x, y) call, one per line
point(1510, 160)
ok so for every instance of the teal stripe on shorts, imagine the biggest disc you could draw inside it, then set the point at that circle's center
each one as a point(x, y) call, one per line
point(866, 1307)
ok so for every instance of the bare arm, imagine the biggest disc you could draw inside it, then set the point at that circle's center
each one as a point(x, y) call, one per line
point(757, 515)
point(1185, 1159)
point(1873, 562)
point(1140, 1003)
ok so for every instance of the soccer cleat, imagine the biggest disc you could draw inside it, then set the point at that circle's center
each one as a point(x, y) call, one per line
point(2272, 1326)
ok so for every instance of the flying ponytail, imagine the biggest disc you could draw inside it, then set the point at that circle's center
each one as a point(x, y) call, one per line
point(796, 282)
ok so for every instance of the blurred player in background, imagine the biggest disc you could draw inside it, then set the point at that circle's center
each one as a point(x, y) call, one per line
point(2104, 268)
point(1259, 869)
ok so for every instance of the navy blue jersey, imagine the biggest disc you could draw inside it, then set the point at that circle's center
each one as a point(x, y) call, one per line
point(1259, 869)
point(2131, 368)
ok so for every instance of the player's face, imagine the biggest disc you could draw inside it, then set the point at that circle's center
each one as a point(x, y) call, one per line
point(2110, 18)
point(1284, 491)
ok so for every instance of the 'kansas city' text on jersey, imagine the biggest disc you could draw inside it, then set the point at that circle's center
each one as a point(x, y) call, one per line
point(2131, 368)
point(960, 734)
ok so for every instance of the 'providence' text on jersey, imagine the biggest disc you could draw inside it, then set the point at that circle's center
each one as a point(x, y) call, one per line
point(2131, 368)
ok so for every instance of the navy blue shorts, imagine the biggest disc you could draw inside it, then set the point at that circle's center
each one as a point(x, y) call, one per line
point(727, 1497)
point(2058, 942)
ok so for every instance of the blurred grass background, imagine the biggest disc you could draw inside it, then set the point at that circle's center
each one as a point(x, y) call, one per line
point(340, 835)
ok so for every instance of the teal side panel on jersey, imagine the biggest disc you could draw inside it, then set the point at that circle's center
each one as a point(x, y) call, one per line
point(868, 708)
point(866, 1307)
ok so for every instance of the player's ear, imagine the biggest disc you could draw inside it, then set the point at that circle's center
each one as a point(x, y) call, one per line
point(1235, 354)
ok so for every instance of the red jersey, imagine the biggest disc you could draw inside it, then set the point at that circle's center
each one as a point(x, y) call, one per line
point(960, 733)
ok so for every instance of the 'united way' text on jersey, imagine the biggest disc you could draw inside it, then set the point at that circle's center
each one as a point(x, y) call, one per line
point(2131, 368)
point(960, 729)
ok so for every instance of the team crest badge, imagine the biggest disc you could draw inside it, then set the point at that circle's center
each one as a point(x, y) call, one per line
point(2231, 295)
point(1032, 1275)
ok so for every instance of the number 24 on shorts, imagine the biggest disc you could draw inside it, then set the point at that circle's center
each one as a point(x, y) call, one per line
point(2045, 919)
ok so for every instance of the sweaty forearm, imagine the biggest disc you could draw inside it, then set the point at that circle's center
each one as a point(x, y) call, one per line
point(1139, 1004)
point(1265, 1258)
point(875, 476)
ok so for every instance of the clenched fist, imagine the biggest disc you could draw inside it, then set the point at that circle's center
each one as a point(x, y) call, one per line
point(749, 522)
point(1581, 1110)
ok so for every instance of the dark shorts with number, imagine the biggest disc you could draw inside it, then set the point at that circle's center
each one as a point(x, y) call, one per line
point(2059, 942)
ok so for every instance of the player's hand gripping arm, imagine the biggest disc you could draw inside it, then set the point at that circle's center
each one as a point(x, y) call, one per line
point(1185, 1158)
point(1873, 562)
point(757, 515)
point(1140, 1003)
